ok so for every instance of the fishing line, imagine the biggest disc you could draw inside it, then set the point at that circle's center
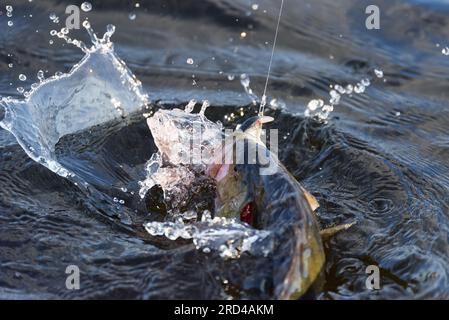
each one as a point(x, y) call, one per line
point(264, 96)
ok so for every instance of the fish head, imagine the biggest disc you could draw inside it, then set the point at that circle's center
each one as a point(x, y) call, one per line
point(239, 185)
point(253, 126)
point(235, 196)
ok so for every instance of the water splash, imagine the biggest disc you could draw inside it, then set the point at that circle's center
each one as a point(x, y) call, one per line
point(274, 104)
point(9, 10)
point(54, 18)
point(320, 110)
point(206, 104)
point(228, 237)
point(186, 142)
point(174, 169)
point(69, 103)
point(245, 81)
point(190, 135)
point(189, 107)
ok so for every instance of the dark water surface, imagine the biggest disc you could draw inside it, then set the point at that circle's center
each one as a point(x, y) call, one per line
point(381, 160)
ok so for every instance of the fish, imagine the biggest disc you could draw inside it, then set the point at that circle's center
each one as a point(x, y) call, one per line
point(275, 202)
point(271, 200)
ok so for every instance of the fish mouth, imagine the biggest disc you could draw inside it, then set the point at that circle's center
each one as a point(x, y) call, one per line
point(265, 119)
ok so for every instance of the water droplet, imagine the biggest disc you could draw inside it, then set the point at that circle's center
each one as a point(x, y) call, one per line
point(243, 34)
point(359, 88)
point(189, 107)
point(445, 51)
point(205, 105)
point(10, 65)
point(53, 16)
point(365, 82)
point(22, 77)
point(244, 79)
point(231, 77)
point(349, 89)
point(340, 89)
point(255, 6)
point(115, 199)
point(86, 24)
point(315, 104)
point(189, 61)
point(20, 89)
point(110, 28)
point(10, 23)
point(379, 73)
point(328, 108)
point(132, 16)
point(53, 32)
point(40, 75)
point(335, 97)
point(86, 6)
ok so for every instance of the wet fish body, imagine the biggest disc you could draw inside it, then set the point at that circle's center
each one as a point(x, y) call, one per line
point(275, 202)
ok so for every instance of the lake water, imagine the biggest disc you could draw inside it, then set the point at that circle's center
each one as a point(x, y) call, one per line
point(380, 159)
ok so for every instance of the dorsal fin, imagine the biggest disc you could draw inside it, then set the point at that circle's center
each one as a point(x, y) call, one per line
point(311, 200)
